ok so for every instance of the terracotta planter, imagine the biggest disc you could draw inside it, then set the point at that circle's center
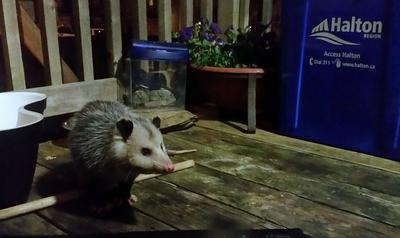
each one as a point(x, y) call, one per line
point(226, 87)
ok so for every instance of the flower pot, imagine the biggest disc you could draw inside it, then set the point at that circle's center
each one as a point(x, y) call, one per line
point(20, 127)
point(226, 87)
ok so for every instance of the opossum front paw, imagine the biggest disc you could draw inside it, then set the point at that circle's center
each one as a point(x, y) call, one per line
point(132, 200)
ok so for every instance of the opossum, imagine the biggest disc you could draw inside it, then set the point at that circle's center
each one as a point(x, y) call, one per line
point(110, 145)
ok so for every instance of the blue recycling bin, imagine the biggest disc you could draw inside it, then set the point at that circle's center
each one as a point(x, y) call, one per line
point(340, 75)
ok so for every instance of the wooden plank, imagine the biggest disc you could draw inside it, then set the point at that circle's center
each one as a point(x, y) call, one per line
point(52, 61)
point(74, 217)
point(186, 13)
point(228, 14)
point(187, 210)
point(53, 156)
point(139, 20)
point(38, 181)
point(267, 8)
point(306, 147)
point(113, 33)
point(72, 97)
point(155, 196)
point(73, 220)
point(83, 39)
point(28, 225)
point(279, 207)
point(244, 13)
point(71, 195)
point(31, 38)
point(206, 9)
point(14, 67)
point(315, 166)
point(164, 20)
point(311, 179)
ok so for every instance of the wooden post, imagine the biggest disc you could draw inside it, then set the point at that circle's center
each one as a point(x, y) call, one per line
point(83, 37)
point(113, 31)
point(14, 67)
point(251, 103)
point(48, 22)
point(139, 20)
point(267, 6)
point(186, 13)
point(206, 9)
point(32, 40)
point(244, 13)
point(140, 29)
point(164, 20)
point(228, 13)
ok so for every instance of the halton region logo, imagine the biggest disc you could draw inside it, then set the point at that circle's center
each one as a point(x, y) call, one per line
point(326, 30)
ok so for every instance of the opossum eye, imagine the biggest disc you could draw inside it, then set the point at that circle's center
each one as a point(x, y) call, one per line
point(146, 151)
point(162, 147)
point(157, 122)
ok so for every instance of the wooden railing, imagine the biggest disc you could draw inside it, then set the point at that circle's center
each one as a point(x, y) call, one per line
point(67, 91)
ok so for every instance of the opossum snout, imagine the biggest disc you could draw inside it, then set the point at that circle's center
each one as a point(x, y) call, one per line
point(166, 168)
point(161, 162)
point(170, 168)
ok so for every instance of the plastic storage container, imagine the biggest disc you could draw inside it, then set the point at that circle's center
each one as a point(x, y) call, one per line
point(340, 82)
point(156, 75)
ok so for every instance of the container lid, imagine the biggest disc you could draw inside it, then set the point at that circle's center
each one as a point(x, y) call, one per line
point(149, 50)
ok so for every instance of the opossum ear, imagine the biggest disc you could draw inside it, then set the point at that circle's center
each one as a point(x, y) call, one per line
point(157, 122)
point(125, 128)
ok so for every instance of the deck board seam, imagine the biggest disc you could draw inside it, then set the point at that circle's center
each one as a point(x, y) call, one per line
point(339, 182)
point(294, 148)
point(67, 232)
point(184, 189)
point(155, 218)
point(255, 182)
point(311, 153)
point(283, 191)
point(298, 195)
point(289, 192)
point(55, 224)
point(220, 202)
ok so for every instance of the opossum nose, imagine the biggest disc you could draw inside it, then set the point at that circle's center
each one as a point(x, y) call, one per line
point(170, 168)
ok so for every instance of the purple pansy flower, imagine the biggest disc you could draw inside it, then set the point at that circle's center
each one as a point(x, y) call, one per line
point(186, 33)
point(215, 28)
point(208, 36)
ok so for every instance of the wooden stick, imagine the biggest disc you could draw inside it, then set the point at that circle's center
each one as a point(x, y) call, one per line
point(71, 195)
point(179, 152)
point(178, 166)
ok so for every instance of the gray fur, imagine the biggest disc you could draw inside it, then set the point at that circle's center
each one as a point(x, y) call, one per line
point(94, 140)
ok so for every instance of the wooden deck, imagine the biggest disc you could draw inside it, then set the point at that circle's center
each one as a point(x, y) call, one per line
point(260, 181)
